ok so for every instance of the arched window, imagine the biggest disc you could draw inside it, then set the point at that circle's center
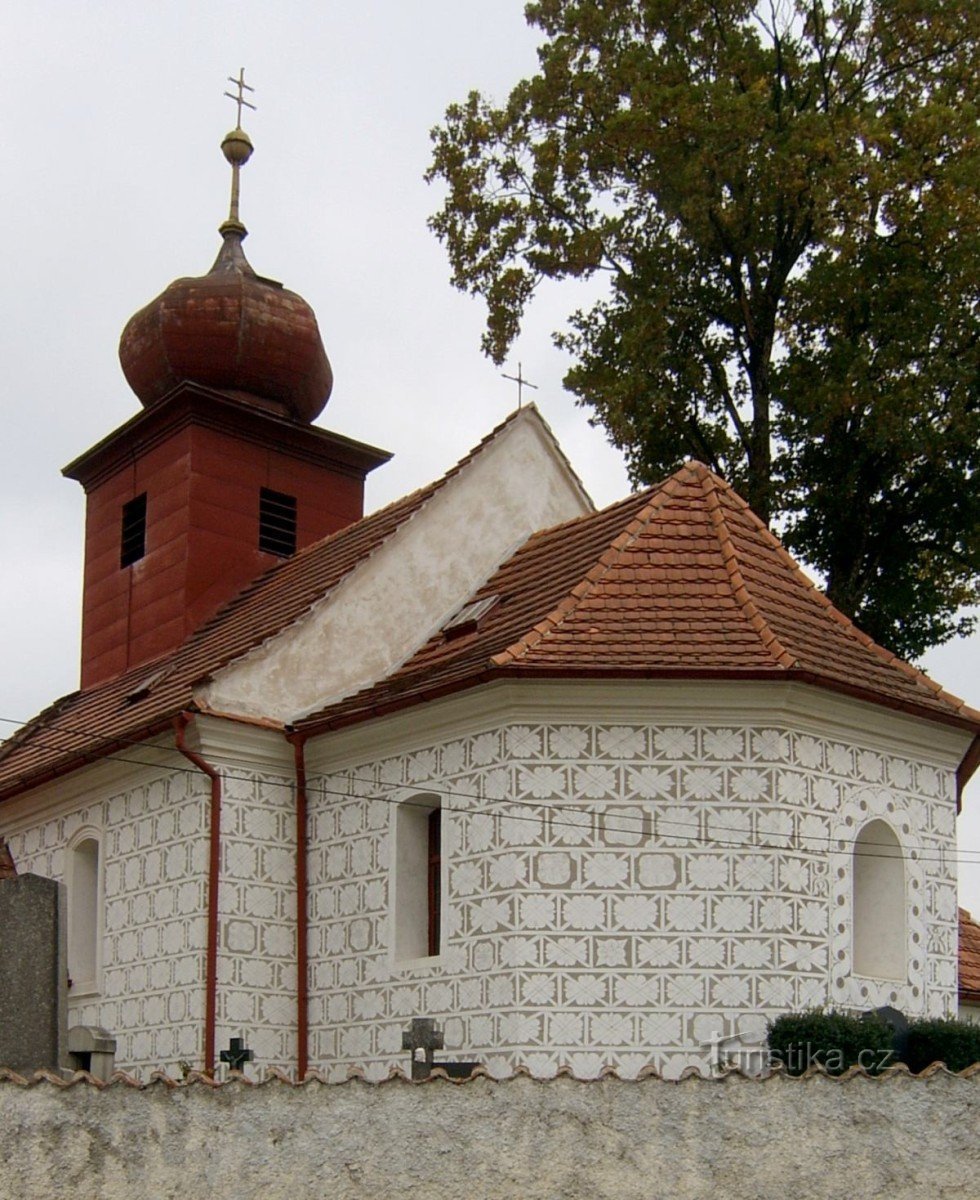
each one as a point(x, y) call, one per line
point(879, 903)
point(417, 899)
point(84, 880)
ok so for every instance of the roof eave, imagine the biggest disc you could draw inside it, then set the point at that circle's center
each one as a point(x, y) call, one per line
point(393, 703)
point(76, 760)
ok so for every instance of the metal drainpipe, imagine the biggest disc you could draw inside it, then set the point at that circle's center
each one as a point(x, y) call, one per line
point(302, 921)
point(214, 873)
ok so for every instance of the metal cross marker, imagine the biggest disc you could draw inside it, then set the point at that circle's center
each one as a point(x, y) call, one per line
point(240, 100)
point(522, 383)
point(423, 1039)
point(237, 1054)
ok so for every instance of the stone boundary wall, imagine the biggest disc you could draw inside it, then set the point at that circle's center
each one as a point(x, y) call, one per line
point(522, 1139)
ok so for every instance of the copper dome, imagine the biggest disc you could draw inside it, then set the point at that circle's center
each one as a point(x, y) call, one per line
point(233, 331)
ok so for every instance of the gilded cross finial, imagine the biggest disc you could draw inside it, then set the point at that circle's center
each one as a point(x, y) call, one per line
point(240, 100)
point(522, 383)
point(237, 149)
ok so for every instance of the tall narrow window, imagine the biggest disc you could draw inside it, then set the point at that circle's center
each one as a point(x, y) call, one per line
point(417, 881)
point(435, 879)
point(879, 903)
point(83, 914)
point(132, 544)
point(277, 523)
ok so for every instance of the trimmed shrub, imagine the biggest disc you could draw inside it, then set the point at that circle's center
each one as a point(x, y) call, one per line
point(955, 1043)
point(830, 1039)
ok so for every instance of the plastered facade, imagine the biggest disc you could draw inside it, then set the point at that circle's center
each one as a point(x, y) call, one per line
point(825, 1139)
point(515, 484)
point(153, 863)
point(617, 892)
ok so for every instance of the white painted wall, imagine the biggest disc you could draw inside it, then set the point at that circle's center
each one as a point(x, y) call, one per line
point(631, 870)
point(880, 904)
point(395, 600)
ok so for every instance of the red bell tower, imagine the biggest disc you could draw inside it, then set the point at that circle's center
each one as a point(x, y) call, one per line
point(222, 474)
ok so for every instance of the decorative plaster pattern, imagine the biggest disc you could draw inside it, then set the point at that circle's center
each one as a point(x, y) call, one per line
point(154, 864)
point(617, 894)
point(257, 916)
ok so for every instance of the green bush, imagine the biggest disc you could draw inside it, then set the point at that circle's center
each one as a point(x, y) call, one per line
point(834, 1040)
point(955, 1043)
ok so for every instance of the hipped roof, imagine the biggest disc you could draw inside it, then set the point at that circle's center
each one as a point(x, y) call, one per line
point(678, 581)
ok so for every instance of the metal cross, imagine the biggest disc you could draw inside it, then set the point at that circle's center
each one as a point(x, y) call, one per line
point(422, 1039)
point(237, 1054)
point(521, 382)
point(240, 100)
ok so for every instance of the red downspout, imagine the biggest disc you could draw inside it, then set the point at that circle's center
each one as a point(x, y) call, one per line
point(214, 872)
point(302, 982)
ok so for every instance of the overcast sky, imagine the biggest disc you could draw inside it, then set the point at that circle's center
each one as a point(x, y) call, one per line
point(112, 184)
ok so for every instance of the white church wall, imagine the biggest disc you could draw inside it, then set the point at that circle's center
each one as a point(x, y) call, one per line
point(396, 599)
point(256, 996)
point(150, 826)
point(630, 871)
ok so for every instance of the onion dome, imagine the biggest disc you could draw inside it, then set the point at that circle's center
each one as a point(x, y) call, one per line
point(230, 330)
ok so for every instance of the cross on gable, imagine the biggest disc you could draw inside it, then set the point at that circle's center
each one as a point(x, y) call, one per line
point(422, 1039)
point(521, 382)
point(237, 1054)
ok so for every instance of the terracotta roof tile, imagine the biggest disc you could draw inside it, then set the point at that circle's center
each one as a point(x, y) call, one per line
point(969, 958)
point(106, 719)
point(681, 579)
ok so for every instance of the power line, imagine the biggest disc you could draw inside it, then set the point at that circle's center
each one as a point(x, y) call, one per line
point(925, 853)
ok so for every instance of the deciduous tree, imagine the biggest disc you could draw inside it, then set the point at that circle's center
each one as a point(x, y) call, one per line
point(784, 199)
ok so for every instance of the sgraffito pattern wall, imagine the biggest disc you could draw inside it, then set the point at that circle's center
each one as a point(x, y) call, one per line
point(257, 915)
point(154, 872)
point(617, 895)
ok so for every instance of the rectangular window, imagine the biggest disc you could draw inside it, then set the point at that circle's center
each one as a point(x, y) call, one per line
point(417, 890)
point(277, 523)
point(133, 539)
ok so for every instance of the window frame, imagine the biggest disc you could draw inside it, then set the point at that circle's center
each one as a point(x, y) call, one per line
point(417, 884)
point(88, 833)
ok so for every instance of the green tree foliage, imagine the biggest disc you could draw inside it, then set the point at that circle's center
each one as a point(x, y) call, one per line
point(784, 199)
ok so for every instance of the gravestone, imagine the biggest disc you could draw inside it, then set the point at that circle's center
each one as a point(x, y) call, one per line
point(33, 974)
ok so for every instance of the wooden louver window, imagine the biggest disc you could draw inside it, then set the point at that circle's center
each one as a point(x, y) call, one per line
point(435, 879)
point(132, 545)
point(277, 523)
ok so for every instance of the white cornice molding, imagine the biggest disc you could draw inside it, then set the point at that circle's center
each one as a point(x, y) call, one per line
point(131, 767)
point(227, 744)
point(798, 706)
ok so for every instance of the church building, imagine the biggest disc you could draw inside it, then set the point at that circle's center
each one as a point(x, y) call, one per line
point(590, 789)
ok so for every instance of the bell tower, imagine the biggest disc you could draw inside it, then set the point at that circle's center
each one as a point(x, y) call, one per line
point(222, 475)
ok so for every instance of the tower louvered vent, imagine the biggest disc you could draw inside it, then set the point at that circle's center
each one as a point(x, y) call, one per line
point(277, 523)
point(132, 545)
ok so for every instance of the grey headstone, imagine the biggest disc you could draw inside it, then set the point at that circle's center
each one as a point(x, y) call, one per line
point(33, 974)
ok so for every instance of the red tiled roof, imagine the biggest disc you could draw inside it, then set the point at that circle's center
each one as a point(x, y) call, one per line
point(680, 580)
point(108, 718)
point(969, 958)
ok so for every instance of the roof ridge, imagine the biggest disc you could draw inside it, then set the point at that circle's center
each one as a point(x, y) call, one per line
point(567, 605)
point(781, 656)
point(845, 623)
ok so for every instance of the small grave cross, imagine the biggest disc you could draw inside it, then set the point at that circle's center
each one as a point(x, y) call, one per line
point(521, 382)
point(237, 1054)
point(422, 1040)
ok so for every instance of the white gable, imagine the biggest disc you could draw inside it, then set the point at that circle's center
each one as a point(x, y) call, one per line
point(393, 601)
